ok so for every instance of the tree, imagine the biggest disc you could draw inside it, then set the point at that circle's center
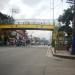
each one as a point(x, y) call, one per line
point(66, 19)
point(66, 29)
point(5, 19)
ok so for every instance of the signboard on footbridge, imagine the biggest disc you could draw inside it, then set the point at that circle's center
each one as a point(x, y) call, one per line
point(27, 26)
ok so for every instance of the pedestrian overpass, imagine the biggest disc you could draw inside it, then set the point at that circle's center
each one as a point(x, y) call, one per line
point(28, 24)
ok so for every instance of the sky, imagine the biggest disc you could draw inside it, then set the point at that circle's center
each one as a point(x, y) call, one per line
point(34, 9)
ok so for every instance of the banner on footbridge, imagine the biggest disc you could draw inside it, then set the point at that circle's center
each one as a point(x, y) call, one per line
point(27, 26)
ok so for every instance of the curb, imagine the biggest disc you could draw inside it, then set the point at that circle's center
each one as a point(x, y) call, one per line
point(62, 56)
point(66, 57)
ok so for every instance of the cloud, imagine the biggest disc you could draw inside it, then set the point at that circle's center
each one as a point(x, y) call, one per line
point(40, 9)
point(3, 3)
point(40, 33)
point(31, 2)
point(31, 8)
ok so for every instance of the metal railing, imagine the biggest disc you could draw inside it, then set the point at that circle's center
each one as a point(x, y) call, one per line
point(7, 21)
point(27, 21)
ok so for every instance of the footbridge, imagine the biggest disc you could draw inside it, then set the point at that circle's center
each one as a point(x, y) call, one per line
point(29, 24)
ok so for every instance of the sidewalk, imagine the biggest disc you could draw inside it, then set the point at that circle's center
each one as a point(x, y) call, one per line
point(62, 54)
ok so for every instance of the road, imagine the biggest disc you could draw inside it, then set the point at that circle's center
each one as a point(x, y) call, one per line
point(33, 61)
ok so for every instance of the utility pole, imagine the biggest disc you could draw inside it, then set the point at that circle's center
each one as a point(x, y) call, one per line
point(14, 11)
point(53, 13)
point(53, 33)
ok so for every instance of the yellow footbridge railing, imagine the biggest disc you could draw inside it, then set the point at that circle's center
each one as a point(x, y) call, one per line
point(28, 26)
point(32, 24)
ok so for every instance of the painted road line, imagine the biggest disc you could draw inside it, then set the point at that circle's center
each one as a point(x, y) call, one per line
point(49, 53)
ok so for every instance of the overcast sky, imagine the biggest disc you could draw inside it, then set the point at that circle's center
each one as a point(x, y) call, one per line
point(33, 9)
point(41, 9)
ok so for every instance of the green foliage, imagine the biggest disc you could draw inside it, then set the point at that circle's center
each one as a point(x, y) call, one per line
point(5, 19)
point(53, 43)
point(66, 29)
point(67, 16)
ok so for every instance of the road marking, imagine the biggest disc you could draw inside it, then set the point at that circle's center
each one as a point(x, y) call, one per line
point(49, 53)
point(39, 46)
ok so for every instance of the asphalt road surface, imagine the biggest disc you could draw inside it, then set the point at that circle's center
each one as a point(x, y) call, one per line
point(33, 61)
